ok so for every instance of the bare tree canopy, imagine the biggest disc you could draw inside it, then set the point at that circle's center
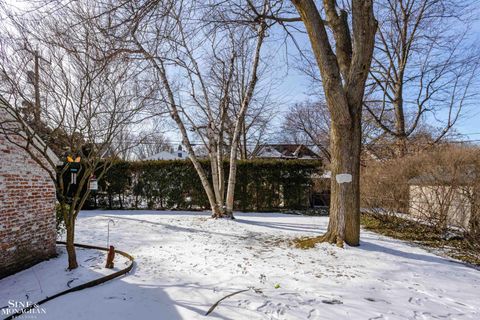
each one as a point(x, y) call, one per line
point(85, 75)
point(82, 101)
point(424, 67)
point(309, 123)
point(205, 71)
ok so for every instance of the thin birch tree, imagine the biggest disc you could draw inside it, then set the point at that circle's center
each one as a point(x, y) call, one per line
point(194, 70)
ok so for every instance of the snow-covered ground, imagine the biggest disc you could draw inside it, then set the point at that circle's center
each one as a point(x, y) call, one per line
point(186, 262)
point(50, 277)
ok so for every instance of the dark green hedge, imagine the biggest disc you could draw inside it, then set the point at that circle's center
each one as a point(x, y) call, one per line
point(262, 185)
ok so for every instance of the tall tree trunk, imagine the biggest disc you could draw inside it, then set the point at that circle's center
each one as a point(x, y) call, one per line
point(120, 200)
point(110, 202)
point(344, 223)
point(215, 179)
point(344, 73)
point(232, 179)
point(401, 146)
point(158, 64)
point(221, 171)
point(232, 176)
point(401, 134)
point(72, 255)
point(69, 221)
point(244, 139)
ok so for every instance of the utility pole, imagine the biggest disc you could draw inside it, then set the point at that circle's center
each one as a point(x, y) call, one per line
point(33, 78)
point(36, 86)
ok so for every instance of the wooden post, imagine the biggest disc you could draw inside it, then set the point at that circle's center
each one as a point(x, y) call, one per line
point(110, 257)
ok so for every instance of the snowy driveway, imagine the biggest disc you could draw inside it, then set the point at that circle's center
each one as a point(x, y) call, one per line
point(186, 262)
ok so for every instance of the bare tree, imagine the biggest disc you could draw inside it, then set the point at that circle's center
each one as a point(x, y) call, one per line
point(256, 128)
point(141, 144)
point(87, 100)
point(260, 113)
point(152, 143)
point(343, 72)
point(309, 123)
point(423, 67)
point(193, 67)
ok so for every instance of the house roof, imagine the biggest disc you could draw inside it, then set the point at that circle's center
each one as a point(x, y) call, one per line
point(167, 155)
point(11, 116)
point(284, 151)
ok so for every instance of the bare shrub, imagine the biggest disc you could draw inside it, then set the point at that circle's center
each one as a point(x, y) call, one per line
point(438, 188)
point(385, 187)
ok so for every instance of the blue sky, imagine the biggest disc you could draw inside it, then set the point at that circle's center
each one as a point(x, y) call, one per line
point(470, 122)
point(295, 87)
point(292, 86)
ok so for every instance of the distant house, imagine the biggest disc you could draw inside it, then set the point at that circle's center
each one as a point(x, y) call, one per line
point(441, 199)
point(27, 201)
point(284, 151)
point(172, 154)
point(320, 191)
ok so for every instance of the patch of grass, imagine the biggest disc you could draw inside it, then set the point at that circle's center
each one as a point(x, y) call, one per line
point(276, 242)
point(423, 235)
point(306, 242)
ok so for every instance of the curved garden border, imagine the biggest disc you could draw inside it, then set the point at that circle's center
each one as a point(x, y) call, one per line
point(84, 285)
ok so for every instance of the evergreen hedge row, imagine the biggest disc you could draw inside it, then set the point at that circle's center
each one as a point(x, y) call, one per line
point(262, 185)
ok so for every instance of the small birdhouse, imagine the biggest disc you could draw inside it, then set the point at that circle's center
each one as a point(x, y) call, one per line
point(74, 168)
point(93, 183)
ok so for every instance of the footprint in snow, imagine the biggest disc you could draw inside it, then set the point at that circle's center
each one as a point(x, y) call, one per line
point(416, 301)
point(272, 308)
point(314, 314)
point(332, 301)
point(377, 300)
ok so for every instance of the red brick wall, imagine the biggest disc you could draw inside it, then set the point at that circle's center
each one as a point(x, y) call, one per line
point(27, 210)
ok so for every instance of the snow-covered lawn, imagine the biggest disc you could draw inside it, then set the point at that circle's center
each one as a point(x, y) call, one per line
point(186, 262)
point(50, 277)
